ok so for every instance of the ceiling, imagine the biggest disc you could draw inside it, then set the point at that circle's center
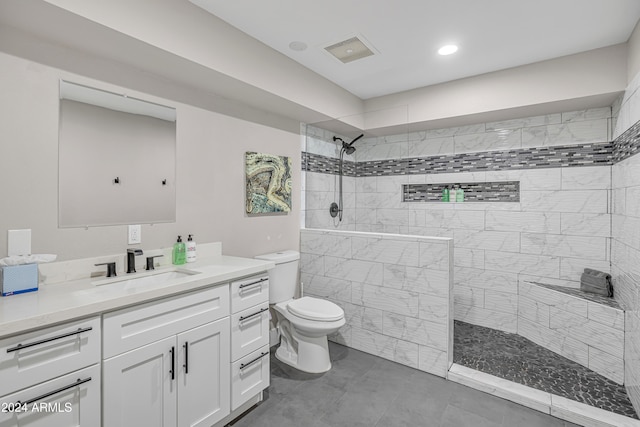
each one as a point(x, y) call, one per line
point(406, 34)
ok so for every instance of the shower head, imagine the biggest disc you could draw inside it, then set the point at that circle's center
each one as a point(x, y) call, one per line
point(348, 148)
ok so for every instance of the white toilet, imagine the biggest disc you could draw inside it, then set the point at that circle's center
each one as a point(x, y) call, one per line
point(303, 323)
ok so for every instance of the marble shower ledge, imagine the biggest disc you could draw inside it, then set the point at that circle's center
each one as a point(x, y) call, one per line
point(598, 299)
point(499, 191)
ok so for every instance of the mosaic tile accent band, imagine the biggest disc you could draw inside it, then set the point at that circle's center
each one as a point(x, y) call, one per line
point(627, 144)
point(504, 191)
point(592, 154)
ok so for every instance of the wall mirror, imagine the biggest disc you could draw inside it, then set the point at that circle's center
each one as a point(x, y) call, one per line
point(116, 159)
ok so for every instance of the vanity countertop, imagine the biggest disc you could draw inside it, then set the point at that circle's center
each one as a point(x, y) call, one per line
point(61, 302)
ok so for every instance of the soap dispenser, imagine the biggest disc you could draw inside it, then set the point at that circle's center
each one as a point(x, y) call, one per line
point(191, 249)
point(179, 252)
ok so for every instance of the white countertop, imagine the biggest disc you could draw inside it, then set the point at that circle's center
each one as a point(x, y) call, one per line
point(61, 302)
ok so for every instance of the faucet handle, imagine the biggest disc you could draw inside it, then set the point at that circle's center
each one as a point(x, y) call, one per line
point(111, 268)
point(150, 265)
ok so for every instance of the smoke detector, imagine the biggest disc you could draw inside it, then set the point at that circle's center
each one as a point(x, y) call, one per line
point(350, 50)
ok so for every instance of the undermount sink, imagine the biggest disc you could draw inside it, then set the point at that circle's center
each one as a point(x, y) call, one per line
point(148, 278)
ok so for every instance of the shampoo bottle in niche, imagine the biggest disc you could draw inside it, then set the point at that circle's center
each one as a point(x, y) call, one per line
point(460, 194)
point(445, 194)
point(191, 249)
point(453, 194)
point(179, 252)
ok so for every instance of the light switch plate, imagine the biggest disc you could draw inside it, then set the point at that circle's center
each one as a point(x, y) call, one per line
point(19, 242)
point(135, 234)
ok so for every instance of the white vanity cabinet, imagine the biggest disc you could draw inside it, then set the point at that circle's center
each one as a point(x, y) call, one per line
point(249, 338)
point(178, 374)
point(51, 377)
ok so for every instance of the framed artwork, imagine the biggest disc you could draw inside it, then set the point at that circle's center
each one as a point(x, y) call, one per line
point(268, 179)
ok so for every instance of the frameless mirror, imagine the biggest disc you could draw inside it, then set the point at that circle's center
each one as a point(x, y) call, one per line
point(117, 158)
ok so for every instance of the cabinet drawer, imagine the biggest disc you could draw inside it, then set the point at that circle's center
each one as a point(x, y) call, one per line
point(70, 400)
point(35, 357)
point(249, 376)
point(133, 327)
point(249, 292)
point(249, 330)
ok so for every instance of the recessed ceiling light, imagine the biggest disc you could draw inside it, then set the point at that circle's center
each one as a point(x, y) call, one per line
point(298, 46)
point(448, 49)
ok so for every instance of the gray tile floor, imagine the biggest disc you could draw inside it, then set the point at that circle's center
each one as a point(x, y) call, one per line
point(365, 390)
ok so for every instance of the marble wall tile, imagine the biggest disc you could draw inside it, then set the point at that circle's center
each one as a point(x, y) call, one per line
point(385, 251)
point(379, 200)
point(561, 302)
point(454, 178)
point(434, 309)
point(530, 179)
point(626, 173)
point(579, 201)
point(507, 139)
point(562, 344)
point(505, 241)
point(565, 133)
point(312, 264)
point(618, 201)
point(436, 256)
point(626, 229)
point(473, 220)
point(562, 245)
point(390, 184)
point(414, 330)
point(631, 204)
point(473, 258)
point(589, 114)
point(466, 295)
point(400, 351)
point(366, 184)
point(486, 279)
point(432, 361)
point(414, 279)
point(326, 287)
point(542, 265)
point(386, 299)
point(353, 270)
point(366, 216)
point(431, 147)
point(320, 182)
point(321, 243)
point(488, 318)
point(592, 333)
point(533, 222)
point(381, 151)
point(586, 224)
point(547, 119)
point(608, 316)
point(397, 217)
point(460, 130)
point(501, 301)
point(572, 268)
point(533, 310)
point(586, 178)
point(366, 318)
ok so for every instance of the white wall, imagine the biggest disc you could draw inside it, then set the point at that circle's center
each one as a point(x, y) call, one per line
point(210, 174)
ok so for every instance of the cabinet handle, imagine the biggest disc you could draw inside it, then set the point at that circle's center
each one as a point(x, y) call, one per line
point(51, 393)
point(246, 285)
point(243, 318)
point(244, 365)
point(31, 344)
point(186, 357)
point(173, 363)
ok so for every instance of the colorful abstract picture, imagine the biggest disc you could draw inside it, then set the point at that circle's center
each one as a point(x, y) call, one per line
point(268, 183)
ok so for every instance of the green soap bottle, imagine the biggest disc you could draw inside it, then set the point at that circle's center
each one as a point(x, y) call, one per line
point(179, 252)
point(445, 194)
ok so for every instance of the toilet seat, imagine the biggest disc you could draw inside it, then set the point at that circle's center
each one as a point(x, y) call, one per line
point(315, 309)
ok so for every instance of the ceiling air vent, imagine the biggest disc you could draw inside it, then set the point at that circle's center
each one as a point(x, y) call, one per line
point(349, 50)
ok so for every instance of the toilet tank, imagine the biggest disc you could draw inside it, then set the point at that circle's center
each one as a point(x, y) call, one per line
point(284, 277)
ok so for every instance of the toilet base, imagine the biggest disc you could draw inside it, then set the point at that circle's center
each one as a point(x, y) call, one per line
point(306, 354)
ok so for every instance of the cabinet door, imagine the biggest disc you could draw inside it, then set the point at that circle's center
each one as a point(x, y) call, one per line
point(204, 374)
point(139, 387)
point(249, 376)
point(68, 401)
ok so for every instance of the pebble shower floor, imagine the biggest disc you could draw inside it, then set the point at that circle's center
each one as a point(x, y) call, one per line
point(517, 359)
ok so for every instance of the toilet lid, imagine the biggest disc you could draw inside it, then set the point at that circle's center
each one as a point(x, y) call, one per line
point(315, 309)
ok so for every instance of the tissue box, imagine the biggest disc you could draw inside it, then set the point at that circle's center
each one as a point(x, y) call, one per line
point(18, 279)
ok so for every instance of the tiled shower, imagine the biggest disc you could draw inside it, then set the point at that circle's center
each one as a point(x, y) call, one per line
point(575, 205)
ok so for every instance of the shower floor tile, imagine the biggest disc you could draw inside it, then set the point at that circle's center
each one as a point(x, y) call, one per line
point(517, 359)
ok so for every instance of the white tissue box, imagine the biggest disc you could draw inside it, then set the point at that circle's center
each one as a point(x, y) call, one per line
point(18, 279)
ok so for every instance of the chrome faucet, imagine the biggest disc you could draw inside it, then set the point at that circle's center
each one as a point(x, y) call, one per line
point(131, 259)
